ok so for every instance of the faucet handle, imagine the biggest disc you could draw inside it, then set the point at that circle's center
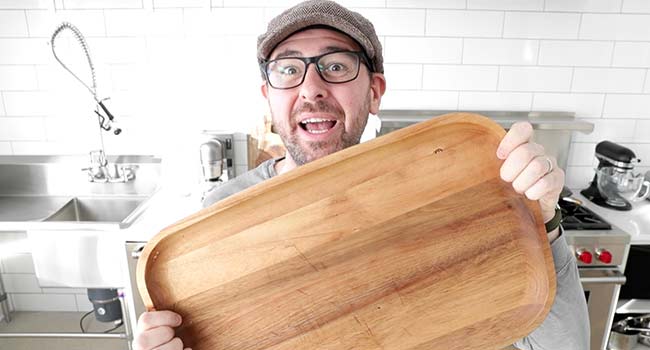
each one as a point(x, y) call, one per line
point(98, 158)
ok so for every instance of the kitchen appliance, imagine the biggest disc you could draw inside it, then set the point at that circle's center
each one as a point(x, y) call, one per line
point(213, 154)
point(614, 178)
point(601, 250)
point(216, 156)
point(626, 333)
point(622, 337)
point(106, 304)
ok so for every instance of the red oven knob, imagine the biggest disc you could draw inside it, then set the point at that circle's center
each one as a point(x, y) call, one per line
point(584, 256)
point(604, 256)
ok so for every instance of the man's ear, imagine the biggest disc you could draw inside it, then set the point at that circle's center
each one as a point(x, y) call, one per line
point(377, 89)
point(265, 90)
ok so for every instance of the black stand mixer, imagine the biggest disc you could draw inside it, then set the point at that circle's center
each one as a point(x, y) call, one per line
point(622, 159)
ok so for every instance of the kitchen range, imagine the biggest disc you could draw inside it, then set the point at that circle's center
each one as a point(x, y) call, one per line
point(601, 250)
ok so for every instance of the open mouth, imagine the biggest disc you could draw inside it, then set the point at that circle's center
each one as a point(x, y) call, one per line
point(318, 125)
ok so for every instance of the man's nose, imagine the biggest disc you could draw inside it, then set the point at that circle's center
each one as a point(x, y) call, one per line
point(314, 87)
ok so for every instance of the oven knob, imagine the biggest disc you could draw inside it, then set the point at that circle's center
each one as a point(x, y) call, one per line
point(584, 256)
point(604, 256)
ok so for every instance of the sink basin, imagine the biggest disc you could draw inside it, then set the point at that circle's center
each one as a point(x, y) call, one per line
point(29, 208)
point(105, 210)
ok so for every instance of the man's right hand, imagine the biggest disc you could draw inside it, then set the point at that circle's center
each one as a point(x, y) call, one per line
point(155, 330)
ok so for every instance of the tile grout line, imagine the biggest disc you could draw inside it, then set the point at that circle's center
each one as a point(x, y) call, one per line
point(4, 106)
point(579, 26)
point(26, 23)
point(426, 12)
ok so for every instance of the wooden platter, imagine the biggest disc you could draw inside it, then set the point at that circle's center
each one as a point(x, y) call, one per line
point(408, 241)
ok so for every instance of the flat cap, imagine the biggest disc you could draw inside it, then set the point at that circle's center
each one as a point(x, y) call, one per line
point(321, 13)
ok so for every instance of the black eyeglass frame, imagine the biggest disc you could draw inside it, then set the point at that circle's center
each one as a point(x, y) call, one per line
point(363, 58)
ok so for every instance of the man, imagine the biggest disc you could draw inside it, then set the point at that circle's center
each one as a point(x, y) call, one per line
point(323, 74)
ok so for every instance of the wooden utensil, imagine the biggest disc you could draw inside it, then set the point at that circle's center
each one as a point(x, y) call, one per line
point(408, 241)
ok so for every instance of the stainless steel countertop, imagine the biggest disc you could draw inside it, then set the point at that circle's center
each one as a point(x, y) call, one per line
point(539, 120)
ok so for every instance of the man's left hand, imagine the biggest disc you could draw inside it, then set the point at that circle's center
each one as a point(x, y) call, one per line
point(530, 170)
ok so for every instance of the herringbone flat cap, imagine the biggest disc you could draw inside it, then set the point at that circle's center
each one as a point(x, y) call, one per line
point(321, 13)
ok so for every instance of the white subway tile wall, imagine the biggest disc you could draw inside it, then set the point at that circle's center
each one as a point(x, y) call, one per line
point(500, 51)
point(641, 6)
point(13, 24)
point(541, 25)
point(5, 147)
point(575, 53)
point(464, 23)
point(189, 65)
point(395, 22)
point(510, 5)
point(25, 4)
point(583, 105)
point(631, 27)
point(543, 79)
point(458, 77)
point(609, 80)
point(629, 54)
point(583, 5)
point(627, 106)
point(508, 101)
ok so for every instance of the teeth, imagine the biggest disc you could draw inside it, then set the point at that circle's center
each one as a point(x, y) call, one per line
point(316, 120)
point(317, 131)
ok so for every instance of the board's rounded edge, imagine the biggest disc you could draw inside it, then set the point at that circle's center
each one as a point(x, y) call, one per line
point(548, 270)
point(141, 279)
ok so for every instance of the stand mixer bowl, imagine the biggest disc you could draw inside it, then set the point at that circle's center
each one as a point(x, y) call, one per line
point(621, 186)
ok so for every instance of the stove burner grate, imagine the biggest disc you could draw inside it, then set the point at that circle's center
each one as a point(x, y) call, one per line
point(577, 217)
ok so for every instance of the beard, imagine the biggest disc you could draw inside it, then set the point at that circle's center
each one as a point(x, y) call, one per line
point(304, 153)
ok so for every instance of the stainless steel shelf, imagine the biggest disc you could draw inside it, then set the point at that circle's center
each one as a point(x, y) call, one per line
point(565, 121)
point(633, 306)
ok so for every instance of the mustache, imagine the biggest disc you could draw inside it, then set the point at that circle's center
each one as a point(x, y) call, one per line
point(319, 106)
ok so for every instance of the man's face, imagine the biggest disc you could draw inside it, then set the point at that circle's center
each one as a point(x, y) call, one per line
point(318, 118)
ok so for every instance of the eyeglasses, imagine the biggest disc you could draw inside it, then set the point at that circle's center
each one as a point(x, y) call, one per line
point(336, 67)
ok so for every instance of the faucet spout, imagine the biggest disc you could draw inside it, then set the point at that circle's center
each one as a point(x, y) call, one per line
point(100, 169)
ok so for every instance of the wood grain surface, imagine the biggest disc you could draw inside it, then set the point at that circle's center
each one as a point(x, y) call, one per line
point(408, 241)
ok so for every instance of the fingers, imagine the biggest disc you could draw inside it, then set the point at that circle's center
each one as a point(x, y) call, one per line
point(520, 158)
point(519, 134)
point(546, 185)
point(152, 319)
point(155, 338)
point(155, 331)
point(529, 170)
point(174, 344)
point(537, 169)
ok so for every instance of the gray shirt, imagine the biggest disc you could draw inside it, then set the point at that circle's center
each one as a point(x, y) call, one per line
point(566, 327)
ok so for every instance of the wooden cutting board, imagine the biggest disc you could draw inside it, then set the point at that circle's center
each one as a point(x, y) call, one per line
point(409, 241)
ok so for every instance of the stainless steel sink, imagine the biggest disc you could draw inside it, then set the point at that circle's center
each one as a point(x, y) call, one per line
point(52, 192)
point(29, 208)
point(122, 211)
point(75, 228)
